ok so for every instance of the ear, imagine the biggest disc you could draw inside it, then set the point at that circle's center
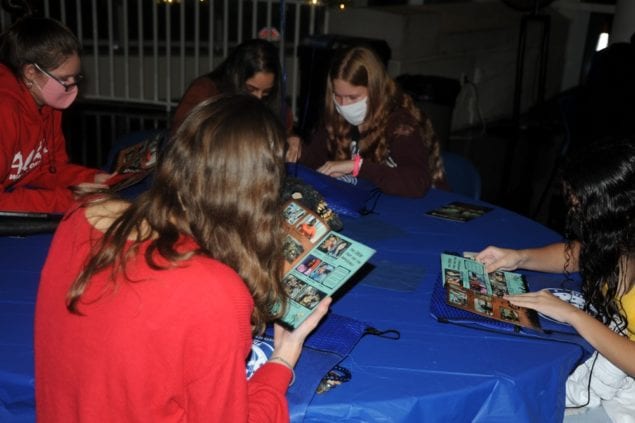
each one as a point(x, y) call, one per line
point(29, 72)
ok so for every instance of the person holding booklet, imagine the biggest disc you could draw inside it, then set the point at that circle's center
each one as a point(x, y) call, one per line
point(39, 73)
point(152, 304)
point(599, 186)
point(372, 130)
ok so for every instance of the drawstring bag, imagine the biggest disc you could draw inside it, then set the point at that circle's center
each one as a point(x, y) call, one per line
point(343, 198)
point(318, 368)
point(445, 313)
point(551, 330)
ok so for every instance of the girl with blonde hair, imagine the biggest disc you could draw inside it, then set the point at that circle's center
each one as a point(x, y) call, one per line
point(372, 130)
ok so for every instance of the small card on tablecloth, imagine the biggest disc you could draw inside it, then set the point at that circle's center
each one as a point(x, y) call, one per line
point(459, 211)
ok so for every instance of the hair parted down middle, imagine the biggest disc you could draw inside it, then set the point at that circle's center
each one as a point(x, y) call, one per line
point(219, 182)
point(360, 66)
point(244, 62)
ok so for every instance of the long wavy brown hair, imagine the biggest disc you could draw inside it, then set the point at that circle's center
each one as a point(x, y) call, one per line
point(360, 66)
point(217, 182)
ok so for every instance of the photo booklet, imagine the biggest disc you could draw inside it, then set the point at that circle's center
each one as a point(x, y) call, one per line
point(317, 261)
point(134, 163)
point(469, 287)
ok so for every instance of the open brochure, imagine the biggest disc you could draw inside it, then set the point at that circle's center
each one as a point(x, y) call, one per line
point(134, 163)
point(469, 287)
point(317, 261)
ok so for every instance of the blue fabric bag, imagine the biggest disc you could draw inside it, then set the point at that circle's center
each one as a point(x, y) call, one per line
point(551, 330)
point(343, 198)
point(328, 345)
point(443, 312)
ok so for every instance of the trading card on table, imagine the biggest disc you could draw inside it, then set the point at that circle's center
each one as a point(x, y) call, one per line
point(459, 211)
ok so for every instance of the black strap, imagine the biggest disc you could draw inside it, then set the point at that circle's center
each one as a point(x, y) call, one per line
point(393, 334)
point(371, 202)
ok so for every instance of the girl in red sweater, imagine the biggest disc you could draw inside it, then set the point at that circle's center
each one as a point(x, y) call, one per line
point(146, 310)
point(39, 73)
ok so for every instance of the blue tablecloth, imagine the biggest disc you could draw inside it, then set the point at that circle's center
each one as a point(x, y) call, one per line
point(439, 372)
point(435, 372)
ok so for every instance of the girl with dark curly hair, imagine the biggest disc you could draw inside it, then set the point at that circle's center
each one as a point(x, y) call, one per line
point(145, 310)
point(372, 130)
point(599, 186)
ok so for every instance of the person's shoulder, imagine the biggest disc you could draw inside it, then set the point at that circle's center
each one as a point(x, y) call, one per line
point(401, 115)
point(401, 122)
point(209, 274)
point(211, 287)
point(7, 78)
point(216, 270)
point(12, 98)
point(205, 84)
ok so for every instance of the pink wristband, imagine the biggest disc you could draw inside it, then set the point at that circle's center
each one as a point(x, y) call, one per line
point(357, 162)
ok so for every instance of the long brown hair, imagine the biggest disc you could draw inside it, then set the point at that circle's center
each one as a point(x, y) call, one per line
point(360, 66)
point(219, 183)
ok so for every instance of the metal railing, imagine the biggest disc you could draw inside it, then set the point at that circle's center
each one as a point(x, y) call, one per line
point(140, 55)
point(147, 51)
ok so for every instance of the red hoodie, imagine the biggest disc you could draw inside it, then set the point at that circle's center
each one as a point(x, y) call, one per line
point(35, 172)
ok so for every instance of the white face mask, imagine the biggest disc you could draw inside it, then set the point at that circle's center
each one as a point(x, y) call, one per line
point(353, 113)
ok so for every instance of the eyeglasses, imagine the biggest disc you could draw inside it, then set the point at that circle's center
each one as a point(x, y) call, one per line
point(67, 85)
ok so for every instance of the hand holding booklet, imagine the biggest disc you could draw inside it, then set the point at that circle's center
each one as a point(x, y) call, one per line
point(317, 261)
point(469, 287)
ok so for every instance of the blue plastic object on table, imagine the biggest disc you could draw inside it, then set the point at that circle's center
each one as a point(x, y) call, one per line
point(436, 372)
point(343, 198)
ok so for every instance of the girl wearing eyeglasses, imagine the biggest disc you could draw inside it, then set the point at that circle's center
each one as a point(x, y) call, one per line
point(39, 73)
